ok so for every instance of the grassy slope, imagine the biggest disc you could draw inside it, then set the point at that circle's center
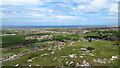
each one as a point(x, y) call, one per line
point(23, 59)
point(104, 49)
point(11, 52)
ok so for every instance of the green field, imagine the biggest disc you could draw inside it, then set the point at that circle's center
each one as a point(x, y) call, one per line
point(104, 49)
point(14, 51)
point(8, 41)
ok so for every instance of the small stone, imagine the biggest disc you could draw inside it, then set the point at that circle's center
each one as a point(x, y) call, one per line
point(17, 65)
point(30, 65)
point(81, 56)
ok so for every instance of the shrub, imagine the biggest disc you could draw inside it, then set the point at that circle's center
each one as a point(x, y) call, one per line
point(90, 48)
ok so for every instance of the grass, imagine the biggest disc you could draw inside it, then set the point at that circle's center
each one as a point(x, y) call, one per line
point(40, 43)
point(90, 34)
point(104, 49)
point(18, 39)
point(11, 52)
point(23, 59)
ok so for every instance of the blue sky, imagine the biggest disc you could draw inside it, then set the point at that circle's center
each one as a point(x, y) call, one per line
point(59, 12)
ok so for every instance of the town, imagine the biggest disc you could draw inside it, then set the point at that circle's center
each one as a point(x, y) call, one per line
point(88, 46)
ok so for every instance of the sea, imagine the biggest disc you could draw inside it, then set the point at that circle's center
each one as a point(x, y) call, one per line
point(73, 26)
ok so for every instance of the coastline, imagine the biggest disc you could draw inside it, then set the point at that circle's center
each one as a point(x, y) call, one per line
point(69, 26)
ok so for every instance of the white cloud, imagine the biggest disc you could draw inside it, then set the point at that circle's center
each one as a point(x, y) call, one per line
point(54, 13)
point(42, 10)
point(110, 17)
point(41, 15)
point(21, 2)
point(64, 5)
point(71, 17)
point(114, 0)
point(113, 9)
point(82, 1)
point(65, 17)
point(94, 6)
point(77, 1)
point(51, 10)
point(33, 14)
point(97, 5)
point(80, 7)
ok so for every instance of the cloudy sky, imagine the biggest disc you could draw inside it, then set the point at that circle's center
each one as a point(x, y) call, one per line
point(59, 12)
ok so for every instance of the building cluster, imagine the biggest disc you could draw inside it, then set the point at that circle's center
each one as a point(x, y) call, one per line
point(7, 34)
point(105, 60)
point(37, 31)
point(38, 37)
point(79, 30)
point(55, 42)
point(15, 56)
